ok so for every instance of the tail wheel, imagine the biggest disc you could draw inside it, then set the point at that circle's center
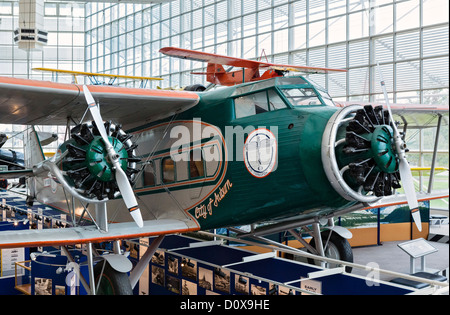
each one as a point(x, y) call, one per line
point(335, 247)
point(358, 153)
point(111, 281)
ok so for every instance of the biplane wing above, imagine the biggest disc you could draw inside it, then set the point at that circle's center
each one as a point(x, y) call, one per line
point(92, 76)
point(238, 62)
point(107, 75)
point(31, 102)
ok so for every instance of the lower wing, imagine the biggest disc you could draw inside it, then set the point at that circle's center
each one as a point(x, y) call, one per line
point(90, 234)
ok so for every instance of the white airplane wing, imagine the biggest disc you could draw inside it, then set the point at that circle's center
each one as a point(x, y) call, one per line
point(400, 199)
point(415, 116)
point(90, 234)
point(31, 102)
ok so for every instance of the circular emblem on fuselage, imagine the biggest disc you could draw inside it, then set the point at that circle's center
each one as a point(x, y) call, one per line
point(260, 152)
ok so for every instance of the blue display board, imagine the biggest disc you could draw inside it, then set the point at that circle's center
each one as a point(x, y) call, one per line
point(8, 257)
point(177, 269)
point(52, 275)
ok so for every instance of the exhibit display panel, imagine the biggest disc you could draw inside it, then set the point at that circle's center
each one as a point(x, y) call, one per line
point(184, 266)
point(52, 274)
point(9, 258)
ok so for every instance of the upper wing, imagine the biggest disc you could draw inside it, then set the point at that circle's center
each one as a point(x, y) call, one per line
point(34, 102)
point(238, 62)
point(90, 234)
point(106, 75)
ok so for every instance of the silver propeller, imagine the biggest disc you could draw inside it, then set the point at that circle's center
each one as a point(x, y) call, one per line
point(404, 168)
point(121, 178)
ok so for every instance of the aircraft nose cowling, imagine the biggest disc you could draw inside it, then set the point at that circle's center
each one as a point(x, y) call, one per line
point(87, 165)
point(359, 155)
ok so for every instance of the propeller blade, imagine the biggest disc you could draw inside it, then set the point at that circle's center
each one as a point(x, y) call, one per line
point(408, 185)
point(128, 196)
point(121, 178)
point(95, 112)
point(404, 169)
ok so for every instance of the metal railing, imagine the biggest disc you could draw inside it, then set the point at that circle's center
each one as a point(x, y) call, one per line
point(22, 273)
point(435, 287)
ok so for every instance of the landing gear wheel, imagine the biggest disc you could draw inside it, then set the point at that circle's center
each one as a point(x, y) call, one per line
point(112, 282)
point(195, 88)
point(336, 248)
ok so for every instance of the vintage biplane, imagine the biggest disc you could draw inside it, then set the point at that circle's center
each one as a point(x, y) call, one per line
point(96, 78)
point(266, 149)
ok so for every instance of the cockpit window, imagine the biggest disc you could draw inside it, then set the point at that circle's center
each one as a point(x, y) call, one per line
point(275, 101)
point(326, 98)
point(257, 103)
point(291, 81)
point(251, 104)
point(301, 97)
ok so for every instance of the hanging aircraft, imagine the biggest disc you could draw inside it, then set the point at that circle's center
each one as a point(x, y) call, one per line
point(14, 160)
point(262, 148)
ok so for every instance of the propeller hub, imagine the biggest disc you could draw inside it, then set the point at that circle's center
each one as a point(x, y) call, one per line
point(360, 153)
point(383, 149)
point(91, 165)
point(99, 161)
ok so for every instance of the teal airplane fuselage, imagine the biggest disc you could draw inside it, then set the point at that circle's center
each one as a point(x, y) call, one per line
point(244, 154)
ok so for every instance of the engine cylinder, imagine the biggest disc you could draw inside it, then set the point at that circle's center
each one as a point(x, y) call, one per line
point(359, 153)
point(87, 166)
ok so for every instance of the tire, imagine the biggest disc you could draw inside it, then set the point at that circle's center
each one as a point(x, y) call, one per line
point(338, 248)
point(112, 282)
point(195, 88)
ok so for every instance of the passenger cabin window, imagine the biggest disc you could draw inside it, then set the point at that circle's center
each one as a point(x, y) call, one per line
point(168, 170)
point(149, 175)
point(196, 165)
point(258, 103)
point(301, 97)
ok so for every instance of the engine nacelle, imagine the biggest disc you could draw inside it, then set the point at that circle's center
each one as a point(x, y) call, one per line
point(359, 155)
point(86, 166)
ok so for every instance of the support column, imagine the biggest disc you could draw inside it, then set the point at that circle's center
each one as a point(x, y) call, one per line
point(90, 257)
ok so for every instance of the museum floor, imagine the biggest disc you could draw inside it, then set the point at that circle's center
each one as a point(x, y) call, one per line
point(390, 257)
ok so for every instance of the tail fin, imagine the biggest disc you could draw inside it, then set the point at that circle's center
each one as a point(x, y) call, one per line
point(33, 149)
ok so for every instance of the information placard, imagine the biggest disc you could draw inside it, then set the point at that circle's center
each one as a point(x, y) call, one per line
point(8, 258)
point(417, 248)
